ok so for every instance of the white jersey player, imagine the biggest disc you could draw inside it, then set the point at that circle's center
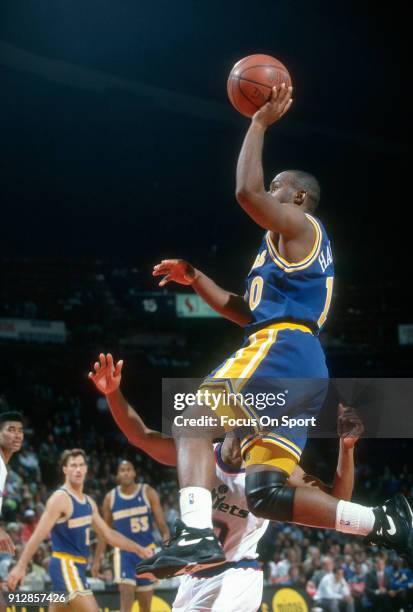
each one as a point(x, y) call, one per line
point(237, 584)
point(11, 440)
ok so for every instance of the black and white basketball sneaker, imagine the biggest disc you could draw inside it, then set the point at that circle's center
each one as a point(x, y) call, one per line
point(393, 527)
point(189, 550)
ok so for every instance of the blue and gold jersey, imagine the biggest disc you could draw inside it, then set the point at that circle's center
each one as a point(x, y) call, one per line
point(132, 515)
point(71, 536)
point(278, 290)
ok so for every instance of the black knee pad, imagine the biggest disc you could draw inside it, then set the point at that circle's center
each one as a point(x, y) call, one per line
point(268, 496)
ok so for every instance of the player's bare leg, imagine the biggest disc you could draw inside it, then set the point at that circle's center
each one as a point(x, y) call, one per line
point(145, 599)
point(196, 467)
point(194, 543)
point(127, 597)
point(269, 496)
point(200, 471)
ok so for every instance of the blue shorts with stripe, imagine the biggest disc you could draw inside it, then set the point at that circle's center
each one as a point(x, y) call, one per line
point(68, 574)
point(279, 374)
point(124, 570)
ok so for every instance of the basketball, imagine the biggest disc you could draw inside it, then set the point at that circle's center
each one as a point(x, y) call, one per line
point(251, 80)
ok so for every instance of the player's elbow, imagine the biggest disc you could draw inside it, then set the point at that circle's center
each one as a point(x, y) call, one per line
point(245, 195)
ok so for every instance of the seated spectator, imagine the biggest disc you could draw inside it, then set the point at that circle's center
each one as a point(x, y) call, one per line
point(401, 586)
point(30, 521)
point(279, 571)
point(333, 593)
point(357, 584)
point(378, 587)
point(15, 532)
point(327, 566)
point(295, 577)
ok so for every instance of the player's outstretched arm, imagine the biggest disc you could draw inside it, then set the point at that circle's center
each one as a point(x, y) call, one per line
point(114, 538)
point(157, 512)
point(266, 210)
point(101, 545)
point(57, 506)
point(229, 305)
point(107, 377)
point(349, 428)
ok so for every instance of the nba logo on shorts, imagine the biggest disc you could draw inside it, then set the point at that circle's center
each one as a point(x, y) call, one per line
point(191, 498)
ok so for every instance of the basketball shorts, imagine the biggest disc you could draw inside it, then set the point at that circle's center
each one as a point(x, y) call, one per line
point(271, 391)
point(124, 564)
point(68, 574)
point(237, 589)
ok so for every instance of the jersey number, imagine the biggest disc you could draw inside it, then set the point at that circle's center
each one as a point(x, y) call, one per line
point(139, 524)
point(87, 536)
point(255, 292)
point(329, 287)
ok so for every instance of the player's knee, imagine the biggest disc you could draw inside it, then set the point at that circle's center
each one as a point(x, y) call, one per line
point(268, 496)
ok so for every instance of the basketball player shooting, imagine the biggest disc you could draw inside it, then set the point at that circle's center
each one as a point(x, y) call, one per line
point(286, 305)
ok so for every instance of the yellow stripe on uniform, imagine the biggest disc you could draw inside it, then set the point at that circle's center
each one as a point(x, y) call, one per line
point(265, 453)
point(228, 365)
point(271, 438)
point(259, 356)
point(80, 585)
point(288, 266)
point(69, 582)
point(246, 360)
point(69, 557)
point(281, 441)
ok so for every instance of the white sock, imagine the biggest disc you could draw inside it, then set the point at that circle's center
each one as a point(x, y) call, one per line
point(196, 507)
point(353, 518)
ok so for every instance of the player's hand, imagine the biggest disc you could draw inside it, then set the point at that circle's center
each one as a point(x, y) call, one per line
point(176, 270)
point(349, 425)
point(94, 570)
point(276, 107)
point(106, 376)
point(145, 553)
point(6, 543)
point(16, 576)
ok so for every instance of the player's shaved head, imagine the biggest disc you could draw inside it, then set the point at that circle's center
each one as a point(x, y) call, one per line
point(299, 187)
point(309, 183)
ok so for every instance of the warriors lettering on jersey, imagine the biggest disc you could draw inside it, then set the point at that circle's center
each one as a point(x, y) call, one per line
point(259, 260)
point(132, 515)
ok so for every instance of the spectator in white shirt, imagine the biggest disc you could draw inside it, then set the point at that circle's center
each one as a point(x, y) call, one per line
point(333, 593)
